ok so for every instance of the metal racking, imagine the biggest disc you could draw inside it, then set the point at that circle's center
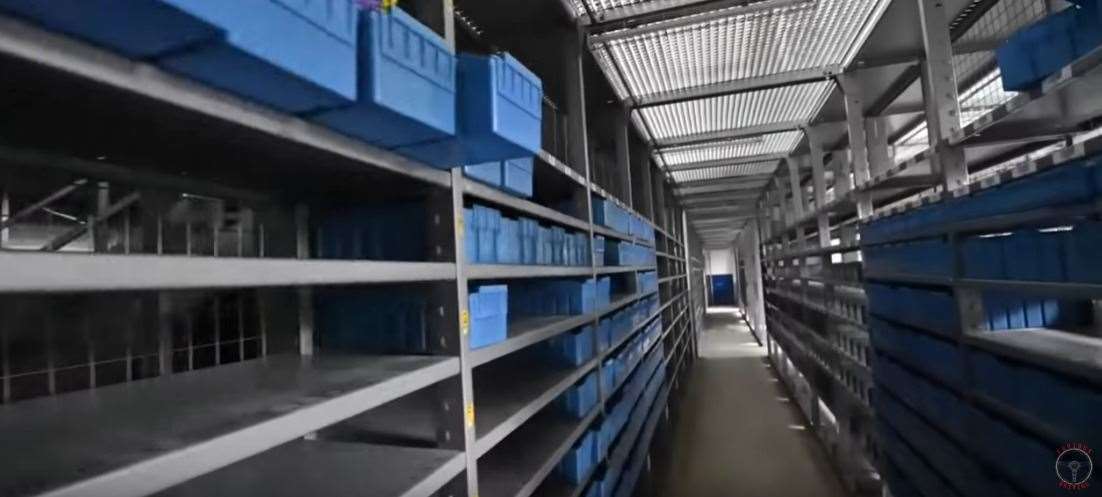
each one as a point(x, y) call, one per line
point(459, 421)
point(802, 252)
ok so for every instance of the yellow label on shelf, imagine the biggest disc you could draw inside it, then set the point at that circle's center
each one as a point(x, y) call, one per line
point(464, 321)
point(470, 415)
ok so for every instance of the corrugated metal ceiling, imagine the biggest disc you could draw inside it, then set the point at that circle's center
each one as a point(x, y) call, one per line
point(748, 169)
point(775, 143)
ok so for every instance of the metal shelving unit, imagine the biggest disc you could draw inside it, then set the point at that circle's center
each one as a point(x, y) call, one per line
point(267, 423)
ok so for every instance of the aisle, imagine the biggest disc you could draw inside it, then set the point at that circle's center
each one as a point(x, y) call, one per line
point(736, 436)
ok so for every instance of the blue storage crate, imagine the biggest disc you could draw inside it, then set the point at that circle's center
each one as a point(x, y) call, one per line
point(1037, 256)
point(270, 52)
point(487, 172)
point(614, 253)
point(599, 250)
point(582, 295)
point(604, 292)
point(134, 28)
point(604, 334)
point(608, 375)
point(517, 176)
point(573, 348)
point(489, 308)
point(529, 238)
point(406, 85)
point(580, 398)
point(487, 224)
point(578, 461)
point(508, 242)
point(499, 114)
point(983, 257)
point(470, 235)
point(1081, 248)
point(1063, 185)
point(372, 321)
point(1069, 404)
point(558, 239)
point(373, 232)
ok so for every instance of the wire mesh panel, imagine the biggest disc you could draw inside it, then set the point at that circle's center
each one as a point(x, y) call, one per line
point(741, 110)
point(774, 143)
point(983, 90)
point(734, 170)
point(741, 45)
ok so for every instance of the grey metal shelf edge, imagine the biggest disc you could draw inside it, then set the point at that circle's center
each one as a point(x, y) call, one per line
point(45, 272)
point(496, 196)
point(503, 271)
point(623, 269)
point(27, 42)
point(501, 411)
point(307, 467)
point(152, 434)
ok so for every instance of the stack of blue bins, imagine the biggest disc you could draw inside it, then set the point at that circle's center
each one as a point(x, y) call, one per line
point(292, 55)
point(512, 175)
point(606, 213)
point(389, 232)
point(489, 315)
point(1043, 48)
point(580, 398)
point(572, 348)
point(490, 238)
point(373, 320)
point(579, 461)
point(558, 297)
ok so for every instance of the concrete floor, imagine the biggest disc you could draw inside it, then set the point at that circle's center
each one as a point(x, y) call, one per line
point(738, 434)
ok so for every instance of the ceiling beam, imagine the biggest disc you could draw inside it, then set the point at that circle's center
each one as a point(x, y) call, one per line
point(743, 85)
point(636, 20)
point(724, 189)
point(726, 162)
point(706, 196)
point(730, 134)
point(684, 189)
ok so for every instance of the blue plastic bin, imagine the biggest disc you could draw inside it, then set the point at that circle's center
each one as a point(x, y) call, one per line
point(134, 28)
point(291, 56)
point(573, 348)
point(470, 235)
point(517, 176)
point(406, 82)
point(487, 172)
point(508, 242)
point(489, 308)
point(580, 398)
point(500, 114)
point(604, 334)
point(1081, 253)
point(487, 226)
point(529, 235)
point(578, 461)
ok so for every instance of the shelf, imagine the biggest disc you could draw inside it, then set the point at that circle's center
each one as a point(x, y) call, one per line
point(818, 308)
point(812, 252)
point(506, 401)
point(1042, 110)
point(23, 41)
point(335, 469)
point(623, 269)
point(670, 278)
point(42, 272)
point(561, 167)
point(504, 271)
point(1067, 353)
point(142, 437)
point(527, 331)
point(503, 199)
point(621, 301)
point(914, 172)
point(519, 466)
point(637, 464)
point(1052, 289)
point(625, 442)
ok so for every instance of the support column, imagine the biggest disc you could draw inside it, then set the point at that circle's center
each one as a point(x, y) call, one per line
point(623, 156)
point(794, 185)
point(939, 89)
point(305, 294)
point(436, 14)
point(880, 157)
point(859, 154)
point(818, 177)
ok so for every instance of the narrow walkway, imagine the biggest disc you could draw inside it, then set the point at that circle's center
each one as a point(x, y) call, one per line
point(738, 435)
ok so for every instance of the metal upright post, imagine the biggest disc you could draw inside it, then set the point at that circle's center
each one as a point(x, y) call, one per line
point(876, 131)
point(623, 155)
point(5, 214)
point(939, 85)
point(456, 409)
point(794, 185)
point(855, 124)
point(818, 176)
point(305, 294)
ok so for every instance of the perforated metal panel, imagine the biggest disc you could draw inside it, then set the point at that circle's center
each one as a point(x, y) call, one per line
point(747, 45)
point(742, 110)
point(734, 170)
point(775, 143)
